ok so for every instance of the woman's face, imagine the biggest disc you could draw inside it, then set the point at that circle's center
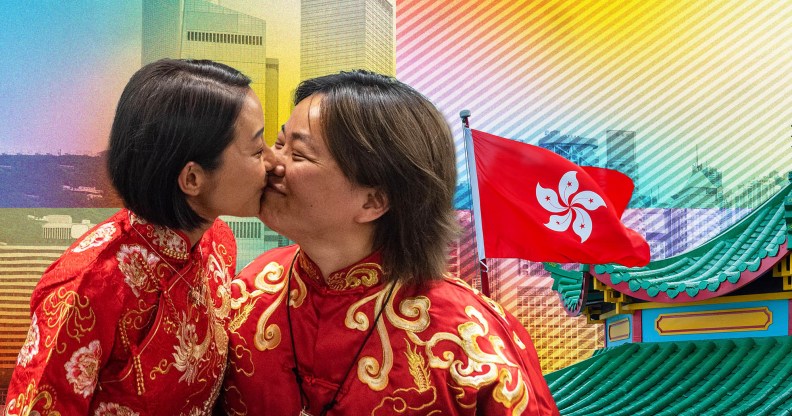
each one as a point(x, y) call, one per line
point(313, 199)
point(236, 186)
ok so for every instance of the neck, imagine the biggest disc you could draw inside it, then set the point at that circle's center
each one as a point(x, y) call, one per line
point(196, 234)
point(335, 255)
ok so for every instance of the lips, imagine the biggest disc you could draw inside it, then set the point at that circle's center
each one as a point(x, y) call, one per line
point(276, 187)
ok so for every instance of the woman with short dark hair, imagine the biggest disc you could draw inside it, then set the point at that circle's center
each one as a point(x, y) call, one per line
point(130, 320)
point(360, 318)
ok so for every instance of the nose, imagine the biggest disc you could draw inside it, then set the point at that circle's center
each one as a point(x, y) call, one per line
point(273, 162)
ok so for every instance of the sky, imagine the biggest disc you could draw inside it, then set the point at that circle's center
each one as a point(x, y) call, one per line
point(687, 75)
point(64, 66)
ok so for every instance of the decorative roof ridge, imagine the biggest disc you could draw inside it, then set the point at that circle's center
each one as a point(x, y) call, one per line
point(722, 264)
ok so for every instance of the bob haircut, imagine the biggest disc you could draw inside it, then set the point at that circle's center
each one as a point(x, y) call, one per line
point(384, 134)
point(172, 112)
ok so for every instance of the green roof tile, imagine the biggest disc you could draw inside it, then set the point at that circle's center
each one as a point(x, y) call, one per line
point(746, 376)
point(727, 262)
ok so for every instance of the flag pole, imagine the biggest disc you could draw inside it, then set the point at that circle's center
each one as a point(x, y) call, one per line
point(470, 164)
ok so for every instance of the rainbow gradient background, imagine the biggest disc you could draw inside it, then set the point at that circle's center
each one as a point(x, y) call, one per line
point(699, 82)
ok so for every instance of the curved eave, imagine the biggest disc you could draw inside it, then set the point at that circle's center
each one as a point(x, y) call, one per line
point(675, 296)
point(733, 259)
point(571, 286)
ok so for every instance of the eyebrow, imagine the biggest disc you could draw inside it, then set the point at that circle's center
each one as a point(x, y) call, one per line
point(297, 136)
point(258, 134)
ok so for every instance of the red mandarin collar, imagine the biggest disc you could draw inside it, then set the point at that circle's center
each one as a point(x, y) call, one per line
point(170, 244)
point(364, 273)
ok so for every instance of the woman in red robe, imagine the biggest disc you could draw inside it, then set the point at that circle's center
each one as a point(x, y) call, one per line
point(360, 318)
point(131, 319)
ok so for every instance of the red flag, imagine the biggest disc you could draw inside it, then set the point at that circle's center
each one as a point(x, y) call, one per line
point(538, 206)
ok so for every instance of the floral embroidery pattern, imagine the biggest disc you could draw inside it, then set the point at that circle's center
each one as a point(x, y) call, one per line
point(171, 243)
point(82, 370)
point(97, 238)
point(31, 347)
point(188, 353)
point(571, 211)
point(114, 409)
point(137, 264)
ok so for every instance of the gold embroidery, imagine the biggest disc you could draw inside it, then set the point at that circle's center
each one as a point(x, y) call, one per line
point(411, 400)
point(217, 270)
point(460, 395)
point(307, 267)
point(494, 305)
point(416, 311)
point(418, 368)
point(65, 308)
point(481, 368)
point(518, 341)
point(363, 274)
point(197, 361)
point(366, 274)
point(270, 280)
point(370, 371)
point(510, 397)
point(242, 316)
point(25, 403)
point(241, 353)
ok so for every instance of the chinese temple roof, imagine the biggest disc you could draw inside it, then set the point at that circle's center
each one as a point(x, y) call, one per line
point(747, 376)
point(726, 263)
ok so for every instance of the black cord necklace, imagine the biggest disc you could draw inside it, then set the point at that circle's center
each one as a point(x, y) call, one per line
point(304, 401)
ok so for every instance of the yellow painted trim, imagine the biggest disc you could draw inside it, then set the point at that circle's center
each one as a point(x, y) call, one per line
point(609, 314)
point(716, 301)
point(599, 285)
point(714, 321)
point(619, 330)
point(783, 268)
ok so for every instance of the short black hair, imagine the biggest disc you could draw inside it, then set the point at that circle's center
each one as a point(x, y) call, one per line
point(172, 112)
point(385, 134)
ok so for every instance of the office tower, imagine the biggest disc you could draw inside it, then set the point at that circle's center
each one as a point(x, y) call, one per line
point(347, 34)
point(580, 150)
point(198, 29)
point(270, 101)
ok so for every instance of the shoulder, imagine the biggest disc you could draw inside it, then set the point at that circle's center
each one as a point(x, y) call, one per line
point(455, 294)
point(221, 233)
point(281, 257)
point(91, 257)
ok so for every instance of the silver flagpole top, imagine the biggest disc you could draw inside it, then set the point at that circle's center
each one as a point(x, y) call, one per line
point(464, 114)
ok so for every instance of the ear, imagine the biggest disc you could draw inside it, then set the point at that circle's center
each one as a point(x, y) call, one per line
point(191, 179)
point(375, 206)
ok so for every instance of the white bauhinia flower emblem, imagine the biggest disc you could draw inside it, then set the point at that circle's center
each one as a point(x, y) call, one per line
point(570, 211)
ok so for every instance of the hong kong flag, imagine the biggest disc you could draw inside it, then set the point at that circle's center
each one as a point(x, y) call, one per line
point(539, 206)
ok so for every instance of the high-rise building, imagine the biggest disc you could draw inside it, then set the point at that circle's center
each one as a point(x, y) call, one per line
point(270, 101)
point(621, 152)
point(560, 340)
point(580, 150)
point(621, 157)
point(703, 188)
point(198, 29)
point(347, 34)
